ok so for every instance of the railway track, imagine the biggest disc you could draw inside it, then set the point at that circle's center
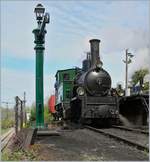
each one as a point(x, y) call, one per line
point(6, 138)
point(131, 129)
point(138, 140)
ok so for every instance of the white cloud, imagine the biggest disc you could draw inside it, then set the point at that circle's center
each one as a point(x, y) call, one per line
point(140, 60)
point(68, 37)
point(114, 42)
point(17, 22)
point(15, 82)
point(114, 38)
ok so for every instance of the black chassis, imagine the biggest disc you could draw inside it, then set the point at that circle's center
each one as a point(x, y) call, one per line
point(94, 108)
point(63, 110)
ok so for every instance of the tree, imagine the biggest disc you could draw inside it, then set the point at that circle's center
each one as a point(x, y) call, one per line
point(33, 114)
point(138, 76)
point(47, 114)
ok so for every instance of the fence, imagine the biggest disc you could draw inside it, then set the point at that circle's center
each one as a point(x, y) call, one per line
point(20, 114)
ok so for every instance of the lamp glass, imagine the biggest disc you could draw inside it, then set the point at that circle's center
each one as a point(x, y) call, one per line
point(39, 11)
point(130, 55)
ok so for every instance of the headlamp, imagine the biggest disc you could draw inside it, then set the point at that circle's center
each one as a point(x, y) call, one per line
point(80, 91)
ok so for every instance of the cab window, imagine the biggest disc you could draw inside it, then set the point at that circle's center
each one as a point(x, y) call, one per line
point(65, 76)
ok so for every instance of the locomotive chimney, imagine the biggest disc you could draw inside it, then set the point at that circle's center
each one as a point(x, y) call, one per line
point(95, 57)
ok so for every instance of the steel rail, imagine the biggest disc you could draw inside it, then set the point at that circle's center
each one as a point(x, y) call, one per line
point(131, 129)
point(5, 135)
point(5, 140)
point(129, 142)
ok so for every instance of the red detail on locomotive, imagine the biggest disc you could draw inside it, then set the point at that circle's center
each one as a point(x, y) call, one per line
point(51, 104)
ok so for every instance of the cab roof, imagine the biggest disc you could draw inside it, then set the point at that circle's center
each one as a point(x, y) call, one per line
point(64, 70)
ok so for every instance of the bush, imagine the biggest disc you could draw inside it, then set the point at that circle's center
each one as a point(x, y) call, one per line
point(33, 114)
point(7, 123)
point(47, 115)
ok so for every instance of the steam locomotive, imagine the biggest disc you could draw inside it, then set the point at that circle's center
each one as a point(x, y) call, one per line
point(84, 95)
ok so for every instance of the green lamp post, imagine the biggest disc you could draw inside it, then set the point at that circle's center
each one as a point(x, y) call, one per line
point(39, 33)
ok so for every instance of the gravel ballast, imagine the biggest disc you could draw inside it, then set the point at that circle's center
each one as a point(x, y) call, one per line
point(83, 144)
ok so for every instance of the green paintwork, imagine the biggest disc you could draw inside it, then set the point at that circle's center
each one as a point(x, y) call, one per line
point(39, 48)
point(60, 73)
point(64, 86)
point(64, 92)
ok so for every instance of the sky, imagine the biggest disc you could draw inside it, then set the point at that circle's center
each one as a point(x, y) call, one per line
point(118, 24)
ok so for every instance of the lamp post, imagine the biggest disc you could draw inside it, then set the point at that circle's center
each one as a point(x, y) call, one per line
point(39, 33)
point(127, 61)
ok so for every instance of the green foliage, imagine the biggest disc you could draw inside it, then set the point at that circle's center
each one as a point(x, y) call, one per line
point(32, 117)
point(27, 124)
point(19, 155)
point(7, 123)
point(146, 86)
point(47, 115)
point(33, 114)
point(138, 75)
point(3, 131)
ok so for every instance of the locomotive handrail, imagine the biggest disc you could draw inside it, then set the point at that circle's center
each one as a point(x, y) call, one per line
point(146, 105)
point(74, 98)
point(104, 103)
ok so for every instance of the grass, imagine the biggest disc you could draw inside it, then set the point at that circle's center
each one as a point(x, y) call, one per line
point(3, 131)
point(28, 155)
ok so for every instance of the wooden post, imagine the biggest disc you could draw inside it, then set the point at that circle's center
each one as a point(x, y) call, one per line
point(16, 115)
point(24, 108)
point(25, 118)
point(21, 114)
